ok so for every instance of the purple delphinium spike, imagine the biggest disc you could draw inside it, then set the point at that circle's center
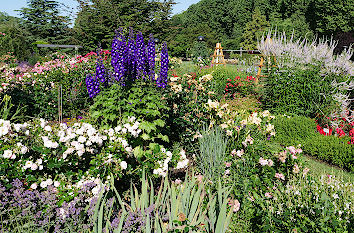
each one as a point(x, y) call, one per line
point(100, 70)
point(114, 51)
point(151, 56)
point(131, 55)
point(119, 50)
point(93, 86)
point(140, 55)
point(162, 80)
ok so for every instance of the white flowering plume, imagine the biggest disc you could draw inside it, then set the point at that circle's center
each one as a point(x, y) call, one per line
point(291, 53)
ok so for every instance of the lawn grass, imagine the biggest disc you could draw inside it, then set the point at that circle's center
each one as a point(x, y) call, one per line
point(319, 168)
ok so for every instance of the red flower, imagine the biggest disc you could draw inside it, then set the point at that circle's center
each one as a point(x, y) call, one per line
point(351, 132)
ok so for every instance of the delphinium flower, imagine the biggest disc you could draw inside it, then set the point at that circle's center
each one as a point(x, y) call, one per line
point(162, 80)
point(140, 55)
point(131, 56)
point(151, 56)
point(101, 71)
point(93, 86)
point(119, 50)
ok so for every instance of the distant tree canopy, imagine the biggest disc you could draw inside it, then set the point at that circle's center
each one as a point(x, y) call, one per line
point(97, 20)
point(254, 30)
point(230, 22)
point(42, 18)
point(15, 38)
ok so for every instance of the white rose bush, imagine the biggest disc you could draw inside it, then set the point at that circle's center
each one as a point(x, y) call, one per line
point(42, 154)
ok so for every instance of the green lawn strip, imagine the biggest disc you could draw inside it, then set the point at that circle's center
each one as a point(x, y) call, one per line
point(319, 168)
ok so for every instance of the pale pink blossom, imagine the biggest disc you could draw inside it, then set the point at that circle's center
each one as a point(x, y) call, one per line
point(270, 163)
point(263, 162)
point(268, 195)
point(279, 176)
point(235, 205)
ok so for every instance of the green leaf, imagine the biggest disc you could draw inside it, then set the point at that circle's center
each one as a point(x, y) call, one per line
point(138, 152)
point(159, 122)
point(163, 137)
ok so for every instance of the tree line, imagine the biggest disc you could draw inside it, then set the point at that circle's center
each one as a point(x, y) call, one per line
point(234, 23)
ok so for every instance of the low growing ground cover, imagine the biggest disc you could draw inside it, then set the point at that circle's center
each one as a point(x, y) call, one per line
point(150, 144)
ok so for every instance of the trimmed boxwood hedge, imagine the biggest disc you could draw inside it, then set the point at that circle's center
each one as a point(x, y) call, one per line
point(302, 130)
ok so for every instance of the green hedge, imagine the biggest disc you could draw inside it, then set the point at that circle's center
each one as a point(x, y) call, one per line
point(331, 149)
point(302, 130)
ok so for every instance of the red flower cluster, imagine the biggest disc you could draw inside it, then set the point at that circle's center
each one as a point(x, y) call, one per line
point(324, 131)
point(340, 131)
point(240, 86)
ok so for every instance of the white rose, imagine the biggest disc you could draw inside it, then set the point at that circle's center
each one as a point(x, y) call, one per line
point(48, 128)
point(56, 183)
point(7, 154)
point(123, 165)
point(24, 150)
point(28, 164)
point(40, 167)
point(169, 154)
point(95, 190)
point(43, 184)
point(34, 186)
point(49, 182)
point(3, 131)
point(81, 139)
point(34, 167)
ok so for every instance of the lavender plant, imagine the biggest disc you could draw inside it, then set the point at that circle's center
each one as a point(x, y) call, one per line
point(30, 210)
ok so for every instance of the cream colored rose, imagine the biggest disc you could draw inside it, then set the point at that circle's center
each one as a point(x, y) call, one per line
point(213, 104)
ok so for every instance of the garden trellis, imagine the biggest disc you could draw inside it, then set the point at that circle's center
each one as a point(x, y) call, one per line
point(218, 57)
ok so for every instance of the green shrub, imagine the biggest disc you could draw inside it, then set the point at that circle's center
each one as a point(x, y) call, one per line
point(299, 91)
point(40, 99)
point(331, 149)
point(141, 100)
point(293, 130)
point(302, 130)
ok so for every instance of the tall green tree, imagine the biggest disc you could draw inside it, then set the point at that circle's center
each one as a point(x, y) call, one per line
point(254, 30)
point(329, 17)
point(42, 18)
point(97, 20)
point(14, 38)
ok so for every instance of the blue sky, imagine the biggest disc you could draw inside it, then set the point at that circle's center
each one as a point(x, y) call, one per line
point(9, 6)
